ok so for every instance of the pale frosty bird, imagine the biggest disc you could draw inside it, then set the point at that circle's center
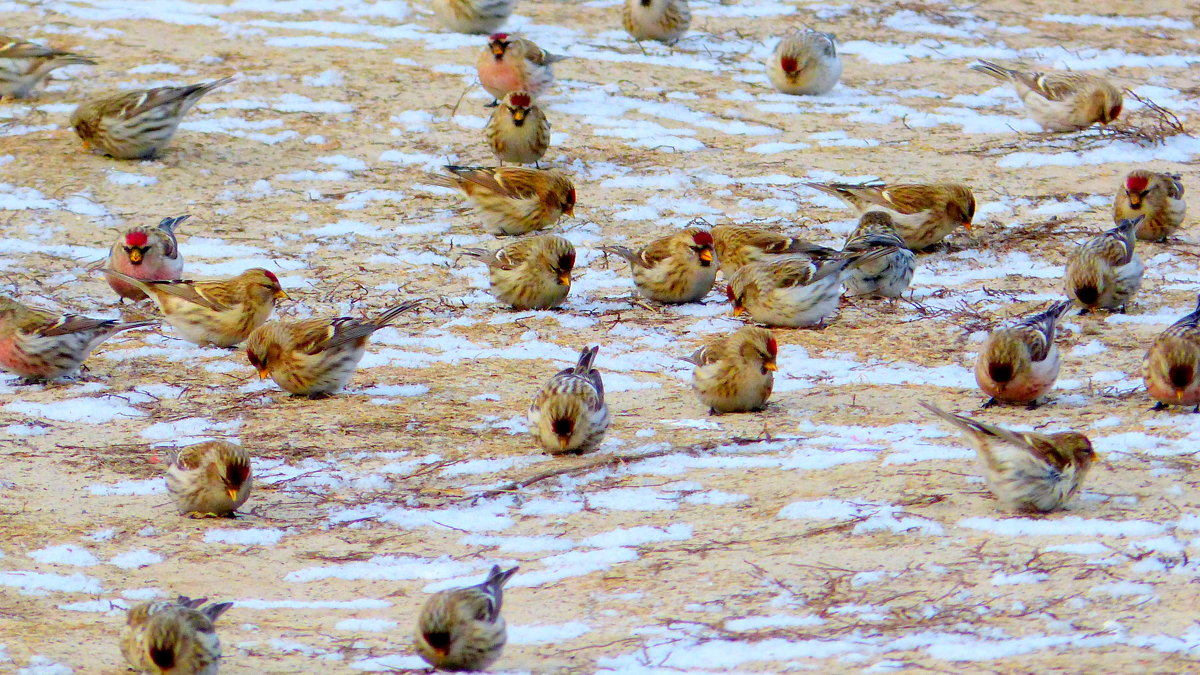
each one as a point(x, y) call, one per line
point(1106, 272)
point(805, 63)
point(23, 65)
point(887, 276)
point(173, 637)
point(659, 20)
point(147, 253)
point(736, 373)
point(1020, 363)
point(1026, 471)
point(1171, 369)
point(1156, 196)
point(923, 213)
point(472, 16)
point(1060, 101)
point(462, 628)
point(568, 414)
point(210, 479)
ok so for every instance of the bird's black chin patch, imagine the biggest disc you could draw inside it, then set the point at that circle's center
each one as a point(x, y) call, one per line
point(162, 657)
point(1000, 372)
point(1181, 376)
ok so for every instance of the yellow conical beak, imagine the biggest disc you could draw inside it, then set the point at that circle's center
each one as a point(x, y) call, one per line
point(233, 493)
point(738, 310)
point(565, 278)
point(706, 255)
point(519, 115)
point(135, 256)
point(263, 373)
point(280, 295)
point(770, 365)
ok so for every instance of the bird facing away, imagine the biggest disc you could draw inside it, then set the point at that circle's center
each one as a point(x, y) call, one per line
point(461, 628)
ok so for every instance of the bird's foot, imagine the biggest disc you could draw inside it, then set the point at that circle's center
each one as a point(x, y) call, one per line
point(1159, 406)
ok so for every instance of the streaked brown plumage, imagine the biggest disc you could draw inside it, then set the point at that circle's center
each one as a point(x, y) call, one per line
point(1106, 272)
point(1020, 363)
point(1171, 369)
point(150, 253)
point(518, 130)
point(173, 637)
point(805, 63)
point(1026, 471)
point(673, 269)
point(219, 312)
point(533, 273)
point(23, 65)
point(738, 245)
point(462, 628)
point(1060, 101)
point(661, 20)
point(569, 414)
point(137, 124)
point(472, 16)
point(924, 213)
point(213, 478)
point(511, 199)
point(1156, 196)
point(736, 373)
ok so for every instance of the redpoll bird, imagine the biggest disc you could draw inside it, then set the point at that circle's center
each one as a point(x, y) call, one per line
point(461, 628)
point(923, 213)
point(737, 246)
point(210, 479)
point(472, 16)
point(793, 291)
point(24, 64)
point(314, 357)
point(1158, 197)
point(147, 253)
point(512, 199)
point(888, 276)
point(1026, 471)
point(1171, 368)
point(1061, 101)
point(533, 273)
point(40, 345)
point(569, 413)
point(675, 269)
point(1106, 272)
point(219, 312)
point(1019, 363)
point(510, 63)
point(805, 62)
point(173, 637)
point(736, 373)
point(661, 20)
point(137, 124)
point(518, 131)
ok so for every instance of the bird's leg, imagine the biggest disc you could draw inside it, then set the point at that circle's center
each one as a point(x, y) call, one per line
point(1159, 406)
point(989, 403)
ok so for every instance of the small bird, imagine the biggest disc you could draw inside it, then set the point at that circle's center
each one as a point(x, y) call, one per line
point(147, 253)
point(924, 213)
point(461, 628)
point(569, 413)
point(1171, 368)
point(805, 63)
point(137, 124)
point(793, 291)
point(1105, 272)
point(533, 273)
point(736, 373)
point(674, 269)
point(518, 130)
point(512, 199)
point(210, 479)
point(472, 16)
point(1019, 363)
point(1061, 101)
point(888, 276)
point(41, 346)
point(660, 20)
point(510, 63)
point(315, 357)
point(738, 245)
point(1158, 197)
point(1026, 471)
point(166, 637)
point(219, 312)
point(24, 64)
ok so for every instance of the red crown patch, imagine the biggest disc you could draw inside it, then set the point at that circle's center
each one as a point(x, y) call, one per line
point(136, 238)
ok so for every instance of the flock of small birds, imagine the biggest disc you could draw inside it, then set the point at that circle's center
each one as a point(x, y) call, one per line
point(778, 280)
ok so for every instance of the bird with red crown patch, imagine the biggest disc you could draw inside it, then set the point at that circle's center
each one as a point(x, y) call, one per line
point(805, 63)
point(146, 253)
point(510, 63)
point(518, 130)
point(1156, 196)
point(675, 269)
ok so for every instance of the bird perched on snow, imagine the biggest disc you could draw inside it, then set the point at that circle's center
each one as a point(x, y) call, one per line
point(24, 64)
point(210, 479)
point(805, 63)
point(1026, 471)
point(569, 413)
point(1105, 272)
point(461, 628)
point(1157, 196)
point(510, 63)
point(513, 199)
point(518, 130)
point(173, 637)
point(1171, 368)
point(661, 20)
point(315, 357)
point(924, 213)
point(218, 312)
point(41, 346)
point(888, 276)
point(737, 245)
point(147, 253)
point(674, 269)
point(1061, 101)
point(472, 16)
point(137, 124)
point(1018, 364)
point(792, 290)
point(533, 273)
point(736, 373)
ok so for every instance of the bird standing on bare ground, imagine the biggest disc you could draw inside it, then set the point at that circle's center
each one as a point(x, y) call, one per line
point(736, 373)
point(805, 63)
point(510, 63)
point(1061, 101)
point(660, 20)
point(173, 637)
point(888, 276)
point(1018, 364)
point(461, 628)
point(518, 130)
point(923, 213)
point(533, 273)
point(1106, 273)
point(1156, 196)
point(1171, 369)
point(674, 269)
point(513, 200)
point(147, 253)
point(569, 413)
point(472, 16)
point(210, 479)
